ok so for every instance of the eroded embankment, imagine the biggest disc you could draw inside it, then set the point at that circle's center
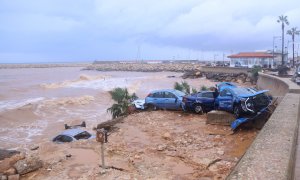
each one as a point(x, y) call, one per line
point(157, 145)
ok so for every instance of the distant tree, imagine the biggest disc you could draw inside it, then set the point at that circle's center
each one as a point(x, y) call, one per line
point(293, 32)
point(284, 21)
point(123, 101)
point(254, 72)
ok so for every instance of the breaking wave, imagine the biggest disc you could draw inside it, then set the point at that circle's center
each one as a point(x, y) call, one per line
point(83, 100)
point(68, 83)
point(24, 133)
point(104, 83)
point(14, 104)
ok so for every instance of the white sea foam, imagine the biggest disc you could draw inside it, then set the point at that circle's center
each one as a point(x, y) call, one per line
point(106, 84)
point(24, 133)
point(14, 104)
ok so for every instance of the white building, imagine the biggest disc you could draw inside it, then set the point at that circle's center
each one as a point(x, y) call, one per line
point(263, 59)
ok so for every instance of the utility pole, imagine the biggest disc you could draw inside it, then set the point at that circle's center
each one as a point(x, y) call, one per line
point(274, 38)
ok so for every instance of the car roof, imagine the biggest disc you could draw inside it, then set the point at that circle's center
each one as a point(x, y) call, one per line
point(246, 92)
point(206, 91)
point(72, 132)
point(160, 90)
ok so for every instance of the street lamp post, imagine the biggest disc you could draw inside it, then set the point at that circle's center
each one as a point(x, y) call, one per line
point(274, 38)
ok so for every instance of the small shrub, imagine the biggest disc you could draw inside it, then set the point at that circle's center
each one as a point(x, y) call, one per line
point(204, 88)
point(194, 91)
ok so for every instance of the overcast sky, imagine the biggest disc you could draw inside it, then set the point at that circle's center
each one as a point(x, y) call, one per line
point(86, 30)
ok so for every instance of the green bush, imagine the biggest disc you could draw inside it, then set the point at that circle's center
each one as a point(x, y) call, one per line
point(203, 88)
point(123, 101)
point(183, 86)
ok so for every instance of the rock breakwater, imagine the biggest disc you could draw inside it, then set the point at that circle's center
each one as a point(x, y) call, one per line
point(143, 67)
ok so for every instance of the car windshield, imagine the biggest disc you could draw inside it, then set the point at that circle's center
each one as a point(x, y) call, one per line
point(179, 93)
point(244, 91)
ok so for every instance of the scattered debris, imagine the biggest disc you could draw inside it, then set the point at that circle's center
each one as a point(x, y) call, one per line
point(83, 124)
point(34, 147)
point(213, 162)
point(161, 147)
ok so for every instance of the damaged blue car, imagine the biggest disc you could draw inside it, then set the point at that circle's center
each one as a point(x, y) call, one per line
point(241, 101)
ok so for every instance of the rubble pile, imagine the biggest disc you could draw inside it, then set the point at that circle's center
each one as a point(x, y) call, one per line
point(13, 165)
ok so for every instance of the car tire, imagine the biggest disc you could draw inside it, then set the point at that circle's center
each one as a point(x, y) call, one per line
point(237, 111)
point(198, 109)
point(151, 107)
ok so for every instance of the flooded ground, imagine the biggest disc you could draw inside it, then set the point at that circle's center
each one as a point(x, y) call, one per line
point(150, 145)
point(35, 103)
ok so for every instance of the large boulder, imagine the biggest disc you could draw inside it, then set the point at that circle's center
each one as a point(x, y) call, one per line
point(7, 163)
point(28, 165)
point(7, 153)
point(220, 117)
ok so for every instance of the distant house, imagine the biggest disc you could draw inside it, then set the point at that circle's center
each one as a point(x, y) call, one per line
point(250, 59)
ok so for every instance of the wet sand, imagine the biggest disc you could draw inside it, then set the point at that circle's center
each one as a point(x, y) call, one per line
point(150, 145)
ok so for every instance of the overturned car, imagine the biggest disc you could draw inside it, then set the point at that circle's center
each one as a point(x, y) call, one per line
point(241, 101)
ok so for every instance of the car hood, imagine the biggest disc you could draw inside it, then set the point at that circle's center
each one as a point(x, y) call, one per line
point(251, 95)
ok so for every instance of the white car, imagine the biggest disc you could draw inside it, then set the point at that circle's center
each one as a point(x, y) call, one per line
point(139, 103)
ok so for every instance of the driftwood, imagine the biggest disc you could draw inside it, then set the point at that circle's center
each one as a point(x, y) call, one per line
point(107, 125)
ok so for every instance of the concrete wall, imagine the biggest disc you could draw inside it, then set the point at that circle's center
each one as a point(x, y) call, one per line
point(272, 154)
point(277, 87)
point(231, 70)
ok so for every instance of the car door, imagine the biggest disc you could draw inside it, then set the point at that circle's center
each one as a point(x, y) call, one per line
point(158, 99)
point(225, 100)
point(207, 100)
point(170, 100)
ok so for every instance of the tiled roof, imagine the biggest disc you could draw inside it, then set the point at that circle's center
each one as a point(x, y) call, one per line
point(251, 54)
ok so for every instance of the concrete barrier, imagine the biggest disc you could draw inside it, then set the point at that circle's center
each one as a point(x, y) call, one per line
point(272, 154)
point(278, 87)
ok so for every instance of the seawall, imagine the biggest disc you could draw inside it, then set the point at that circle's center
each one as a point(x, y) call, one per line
point(272, 154)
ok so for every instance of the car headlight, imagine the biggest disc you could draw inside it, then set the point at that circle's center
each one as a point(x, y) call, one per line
point(243, 104)
point(247, 105)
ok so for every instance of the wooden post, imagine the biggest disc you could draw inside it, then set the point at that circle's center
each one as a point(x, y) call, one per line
point(102, 155)
point(100, 137)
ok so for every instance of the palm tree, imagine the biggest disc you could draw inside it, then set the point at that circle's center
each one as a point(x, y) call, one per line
point(293, 32)
point(123, 100)
point(284, 21)
point(183, 86)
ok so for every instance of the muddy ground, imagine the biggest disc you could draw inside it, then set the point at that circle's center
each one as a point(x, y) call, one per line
point(149, 145)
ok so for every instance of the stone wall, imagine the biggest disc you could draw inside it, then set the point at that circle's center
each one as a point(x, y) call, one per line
point(272, 154)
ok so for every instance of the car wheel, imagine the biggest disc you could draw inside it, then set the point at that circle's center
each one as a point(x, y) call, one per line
point(152, 107)
point(237, 111)
point(198, 109)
